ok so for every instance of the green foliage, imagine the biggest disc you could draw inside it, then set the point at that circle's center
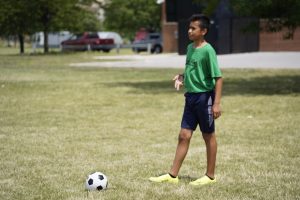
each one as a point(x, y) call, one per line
point(279, 14)
point(126, 17)
point(22, 17)
point(16, 17)
point(69, 15)
point(209, 6)
point(26, 17)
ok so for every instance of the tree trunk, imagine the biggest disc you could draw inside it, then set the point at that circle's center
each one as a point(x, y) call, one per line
point(21, 41)
point(46, 45)
point(46, 17)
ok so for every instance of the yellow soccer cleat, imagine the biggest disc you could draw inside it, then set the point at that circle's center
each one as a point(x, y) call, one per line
point(164, 178)
point(205, 180)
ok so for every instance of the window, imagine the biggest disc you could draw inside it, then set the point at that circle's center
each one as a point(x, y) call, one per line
point(154, 37)
point(93, 36)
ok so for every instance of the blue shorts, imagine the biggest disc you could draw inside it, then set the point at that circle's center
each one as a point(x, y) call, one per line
point(198, 110)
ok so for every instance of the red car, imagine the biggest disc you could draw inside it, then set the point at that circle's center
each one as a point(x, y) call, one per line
point(88, 41)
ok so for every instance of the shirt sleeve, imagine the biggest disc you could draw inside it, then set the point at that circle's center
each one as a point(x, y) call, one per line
point(213, 64)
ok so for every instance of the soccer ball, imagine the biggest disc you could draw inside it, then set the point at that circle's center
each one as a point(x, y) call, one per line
point(96, 181)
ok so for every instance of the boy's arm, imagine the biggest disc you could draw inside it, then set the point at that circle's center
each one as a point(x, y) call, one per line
point(216, 109)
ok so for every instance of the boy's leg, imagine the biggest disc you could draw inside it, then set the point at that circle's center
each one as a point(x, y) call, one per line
point(207, 127)
point(184, 138)
point(181, 151)
point(211, 153)
point(188, 124)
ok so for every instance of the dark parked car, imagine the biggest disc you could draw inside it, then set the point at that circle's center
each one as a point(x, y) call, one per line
point(88, 41)
point(147, 41)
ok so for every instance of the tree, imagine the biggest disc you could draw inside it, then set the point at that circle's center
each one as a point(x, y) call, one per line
point(15, 19)
point(71, 15)
point(21, 17)
point(127, 16)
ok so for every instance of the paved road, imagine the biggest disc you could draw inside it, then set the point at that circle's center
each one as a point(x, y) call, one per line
point(288, 60)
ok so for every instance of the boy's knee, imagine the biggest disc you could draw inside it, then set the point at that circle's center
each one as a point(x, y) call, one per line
point(208, 136)
point(185, 135)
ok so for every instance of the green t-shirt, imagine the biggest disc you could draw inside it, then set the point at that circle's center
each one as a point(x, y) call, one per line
point(201, 69)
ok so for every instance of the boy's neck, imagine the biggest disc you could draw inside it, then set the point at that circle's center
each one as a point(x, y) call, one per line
point(199, 43)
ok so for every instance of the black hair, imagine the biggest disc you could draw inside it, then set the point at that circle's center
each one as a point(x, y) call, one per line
point(204, 21)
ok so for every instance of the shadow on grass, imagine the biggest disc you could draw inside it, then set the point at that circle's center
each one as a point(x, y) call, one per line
point(267, 85)
point(186, 178)
point(146, 87)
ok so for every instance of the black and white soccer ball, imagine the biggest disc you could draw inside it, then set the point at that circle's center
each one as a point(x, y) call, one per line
point(96, 181)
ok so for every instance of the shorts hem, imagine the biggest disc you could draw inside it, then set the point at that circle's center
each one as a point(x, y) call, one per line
point(207, 132)
point(189, 128)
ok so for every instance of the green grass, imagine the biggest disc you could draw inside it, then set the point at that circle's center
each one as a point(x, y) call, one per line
point(58, 124)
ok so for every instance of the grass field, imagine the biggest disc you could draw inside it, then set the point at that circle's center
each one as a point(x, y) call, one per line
point(58, 124)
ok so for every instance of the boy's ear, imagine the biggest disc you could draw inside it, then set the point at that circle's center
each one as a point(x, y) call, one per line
point(204, 31)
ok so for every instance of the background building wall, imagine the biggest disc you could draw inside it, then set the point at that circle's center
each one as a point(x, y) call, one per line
point(275, 42)
point(170, 37)
point(169, 32)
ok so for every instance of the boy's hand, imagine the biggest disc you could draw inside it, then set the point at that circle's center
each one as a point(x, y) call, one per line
point(178, 81)
point(216, 109)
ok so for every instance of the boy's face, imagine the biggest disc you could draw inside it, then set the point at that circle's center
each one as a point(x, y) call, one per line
point(195, 32)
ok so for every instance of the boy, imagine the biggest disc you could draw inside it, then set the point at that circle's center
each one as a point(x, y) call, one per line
point(202, 80)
